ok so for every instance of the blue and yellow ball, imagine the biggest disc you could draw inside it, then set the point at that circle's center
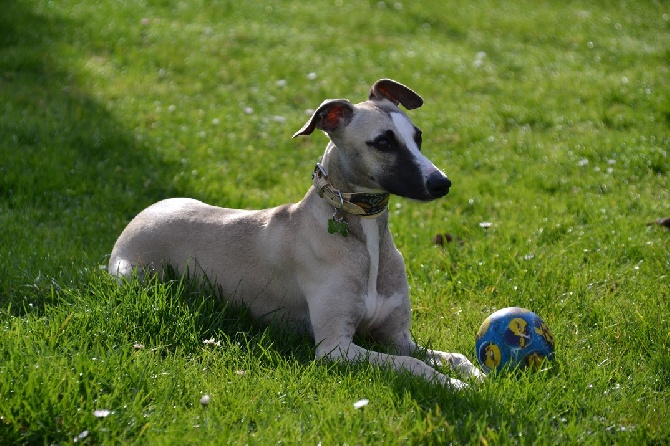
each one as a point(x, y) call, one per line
point(513, 338)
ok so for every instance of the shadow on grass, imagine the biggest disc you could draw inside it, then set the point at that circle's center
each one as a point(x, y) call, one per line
point(71, 174)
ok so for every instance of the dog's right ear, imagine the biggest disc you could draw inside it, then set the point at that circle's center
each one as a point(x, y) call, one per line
point(332, 114)
point(396, 93)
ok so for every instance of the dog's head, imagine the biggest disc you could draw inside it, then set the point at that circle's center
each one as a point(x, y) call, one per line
point(378, 147)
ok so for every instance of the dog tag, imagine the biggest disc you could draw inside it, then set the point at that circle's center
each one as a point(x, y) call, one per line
point(339, 226)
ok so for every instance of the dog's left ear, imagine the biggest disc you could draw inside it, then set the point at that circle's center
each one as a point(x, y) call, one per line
point(396, 93)
point(332, 114)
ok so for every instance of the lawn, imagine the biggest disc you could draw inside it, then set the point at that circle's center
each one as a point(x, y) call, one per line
point(552, 119)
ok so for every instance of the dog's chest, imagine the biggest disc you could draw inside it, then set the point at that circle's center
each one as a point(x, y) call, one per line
point(376, 307)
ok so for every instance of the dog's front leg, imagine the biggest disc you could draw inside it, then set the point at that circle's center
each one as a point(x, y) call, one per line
point(404, 345)
point(333, 333)
point(346, 350)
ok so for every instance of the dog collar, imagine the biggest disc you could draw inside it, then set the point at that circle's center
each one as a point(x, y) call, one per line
point(363, 204)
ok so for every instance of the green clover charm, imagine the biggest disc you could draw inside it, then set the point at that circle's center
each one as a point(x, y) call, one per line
point(339, 226)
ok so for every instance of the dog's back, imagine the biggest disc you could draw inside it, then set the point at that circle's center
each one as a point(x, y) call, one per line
point(245, 253)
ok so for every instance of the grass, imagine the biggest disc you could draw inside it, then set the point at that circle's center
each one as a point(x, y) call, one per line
point(552, 119)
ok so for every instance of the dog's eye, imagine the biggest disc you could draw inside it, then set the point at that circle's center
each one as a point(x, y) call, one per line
point(383, 142)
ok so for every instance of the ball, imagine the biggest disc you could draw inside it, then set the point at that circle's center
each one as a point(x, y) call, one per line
point(513, 338)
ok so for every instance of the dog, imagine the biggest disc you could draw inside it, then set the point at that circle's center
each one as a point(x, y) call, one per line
point(326, 264)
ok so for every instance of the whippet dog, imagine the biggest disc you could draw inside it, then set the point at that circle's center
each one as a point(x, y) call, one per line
point(326, 264)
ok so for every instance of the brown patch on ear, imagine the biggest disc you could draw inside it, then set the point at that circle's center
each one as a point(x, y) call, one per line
point(333, 117)
point(332, 114)
point(396, 93)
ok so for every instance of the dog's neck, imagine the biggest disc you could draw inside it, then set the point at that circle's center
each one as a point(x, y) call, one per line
point(363, 204)
point(335, 167)
point(329, 183)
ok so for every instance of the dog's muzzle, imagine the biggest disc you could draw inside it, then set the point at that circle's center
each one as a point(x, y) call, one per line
point(437, 184)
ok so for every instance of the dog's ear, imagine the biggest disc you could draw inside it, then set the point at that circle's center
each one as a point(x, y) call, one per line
point(396, 93)
point(332, 114)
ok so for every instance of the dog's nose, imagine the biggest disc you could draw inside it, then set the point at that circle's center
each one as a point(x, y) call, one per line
point(438, 185)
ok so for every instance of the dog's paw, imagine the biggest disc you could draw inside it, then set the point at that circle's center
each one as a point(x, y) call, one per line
point(458, 362)
point(463, 366)
point(477, 373)
point(456, 384)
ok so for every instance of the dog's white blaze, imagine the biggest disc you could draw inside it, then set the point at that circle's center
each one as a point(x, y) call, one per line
point(371, 231)
point(406, 130)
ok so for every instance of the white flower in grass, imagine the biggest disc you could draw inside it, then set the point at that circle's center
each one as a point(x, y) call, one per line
point(479, 59)
point(361, 403)
point(81, 436)
point(212, 341)
point(101, 413)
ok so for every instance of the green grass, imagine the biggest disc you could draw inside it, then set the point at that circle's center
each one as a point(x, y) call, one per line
point(551, 118)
